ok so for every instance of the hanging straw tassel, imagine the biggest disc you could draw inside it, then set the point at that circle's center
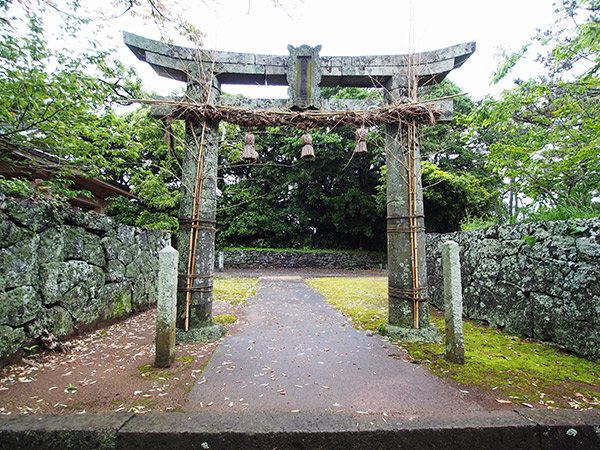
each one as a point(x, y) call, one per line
point(307, 149)
point(361, 141)
point(249, 153)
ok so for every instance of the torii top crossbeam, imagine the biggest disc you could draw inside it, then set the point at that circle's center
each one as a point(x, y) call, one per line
point(390, 71)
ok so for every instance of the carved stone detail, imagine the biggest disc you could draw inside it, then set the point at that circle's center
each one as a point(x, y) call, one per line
point(304, 76)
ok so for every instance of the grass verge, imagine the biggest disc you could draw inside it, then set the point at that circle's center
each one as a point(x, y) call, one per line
point(517, 370)
point(234, 290)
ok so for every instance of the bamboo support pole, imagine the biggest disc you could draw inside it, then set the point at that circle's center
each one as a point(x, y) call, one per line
point(197, 198)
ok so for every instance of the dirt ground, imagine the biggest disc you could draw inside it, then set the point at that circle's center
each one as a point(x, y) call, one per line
point(106, 370)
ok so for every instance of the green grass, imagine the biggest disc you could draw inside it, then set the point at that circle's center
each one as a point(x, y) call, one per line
point(363, 299)
point(234, 290)
point(513, 368)
point(225, 319)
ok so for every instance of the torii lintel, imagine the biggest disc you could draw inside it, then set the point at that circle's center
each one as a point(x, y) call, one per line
point(176, 62)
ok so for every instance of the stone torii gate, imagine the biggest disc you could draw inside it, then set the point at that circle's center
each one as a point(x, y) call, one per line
point(305, 72)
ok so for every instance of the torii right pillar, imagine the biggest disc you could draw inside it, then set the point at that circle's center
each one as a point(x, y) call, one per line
point(407, 266)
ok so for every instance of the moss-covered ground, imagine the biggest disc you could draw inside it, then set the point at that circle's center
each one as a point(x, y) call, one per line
point(517, 370)
point(225, 319)
point(234, 290)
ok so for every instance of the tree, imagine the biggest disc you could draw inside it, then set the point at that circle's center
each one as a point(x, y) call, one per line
point(547, 129)
point(456, 184)
point(153, 173)
point(58, 101)
point(284, 201)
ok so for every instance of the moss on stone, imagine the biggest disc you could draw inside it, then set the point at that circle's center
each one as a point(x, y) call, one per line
point(121, 306)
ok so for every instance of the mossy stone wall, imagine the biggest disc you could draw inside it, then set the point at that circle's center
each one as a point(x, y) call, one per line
point(541, 280)
point(65, 272)
point(272, 259)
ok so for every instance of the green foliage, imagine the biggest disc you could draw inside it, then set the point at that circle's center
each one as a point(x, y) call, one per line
point(456, 183)
point(284, 201)
point(153, 173)
point(65, 111)
point(477, 223)
point(543, 136)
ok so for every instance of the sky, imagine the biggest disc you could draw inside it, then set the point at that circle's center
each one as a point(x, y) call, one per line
point(359, 27)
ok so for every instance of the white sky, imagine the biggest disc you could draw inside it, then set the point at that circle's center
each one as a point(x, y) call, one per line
point(355, 27)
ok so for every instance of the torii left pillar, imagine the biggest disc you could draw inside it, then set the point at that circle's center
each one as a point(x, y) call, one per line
point(197, 217)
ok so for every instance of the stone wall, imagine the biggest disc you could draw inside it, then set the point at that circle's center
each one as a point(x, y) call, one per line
point(267, 259)
point(541, 280)
point(65, 272)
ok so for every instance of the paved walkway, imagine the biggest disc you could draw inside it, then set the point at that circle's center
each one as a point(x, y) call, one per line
point(295, 352)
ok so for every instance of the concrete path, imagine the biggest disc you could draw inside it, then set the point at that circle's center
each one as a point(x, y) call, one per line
point(295, 352)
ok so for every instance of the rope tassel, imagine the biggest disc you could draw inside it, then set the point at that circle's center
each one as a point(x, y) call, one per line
point(361, 140)
point(307, 149)
point(249, 153)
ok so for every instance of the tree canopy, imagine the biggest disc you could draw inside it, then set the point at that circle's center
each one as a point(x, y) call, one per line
point(544, 134)
point(538, 142)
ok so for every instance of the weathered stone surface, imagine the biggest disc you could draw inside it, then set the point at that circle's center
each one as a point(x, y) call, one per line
point(115, 271)
point(19, 262)
point(242, 68)
point(166, 308)
point(455, 340)
point(63, 270)
point(118, 298)
point(59, 278)
point(19, 305)
point(52, 242)
point(402, 334)
point(256, 259)
point(209, 332)
point(21, 213)
point(10, 233)
point(541, 280)
point(11, 344)
point(60, 322)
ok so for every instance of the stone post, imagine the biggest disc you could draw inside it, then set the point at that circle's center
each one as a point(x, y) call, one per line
point(200, 159)
point(455, 341)
point(166, 307)
point(400, 256)
point(221, 260)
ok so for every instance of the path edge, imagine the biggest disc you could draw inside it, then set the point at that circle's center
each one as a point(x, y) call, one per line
point(498, 430)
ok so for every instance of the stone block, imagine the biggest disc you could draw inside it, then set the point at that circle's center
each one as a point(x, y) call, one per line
point(112, 247)
point(455, 340)
point(76, 286)
point(19, 305)
point(73, 242)
point(12, 341)
point(211, 332)
point(118, 300)
point(93, 250)
point(10, 233)
point(60, 322)
point(115, 271)
point(125, 234)
point(166, 309)
point(25, 213)
point(93, 222)
point(400, 334)
point(52, 242)
point(20, 262)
